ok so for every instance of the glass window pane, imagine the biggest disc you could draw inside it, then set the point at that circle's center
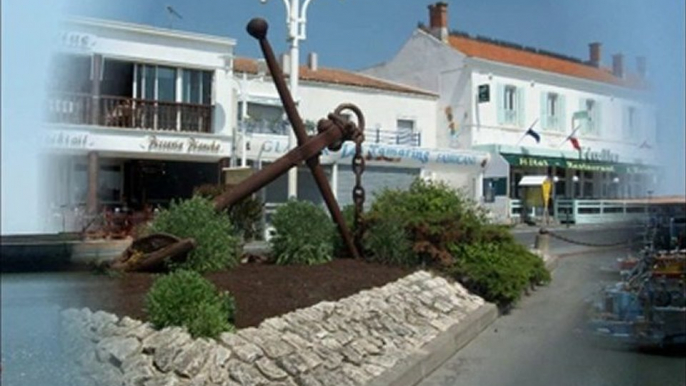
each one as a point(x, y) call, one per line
point(166, 84)
point(149, 82)
point(206, 88)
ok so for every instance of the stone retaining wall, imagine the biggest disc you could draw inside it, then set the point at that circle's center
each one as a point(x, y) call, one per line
point(349, 342)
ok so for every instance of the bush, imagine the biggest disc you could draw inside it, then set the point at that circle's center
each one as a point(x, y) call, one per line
point(498, 272)
point(387, 242)
point(196, 218)
point(433, 215)
point(304, 234)
point(245, 215)
point(184, 298)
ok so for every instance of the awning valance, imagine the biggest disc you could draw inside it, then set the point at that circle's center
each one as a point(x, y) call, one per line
point(576, 164)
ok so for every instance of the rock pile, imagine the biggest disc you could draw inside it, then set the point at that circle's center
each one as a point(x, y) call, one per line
point(348, 342)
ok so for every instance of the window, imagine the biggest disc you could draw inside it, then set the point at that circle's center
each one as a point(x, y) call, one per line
point(510, 105)
point(630, 122)
point(552, 111)
point(71, 73)
point(156, 82)
point(197, 87)
point(263, 118)
point(592, 125)
point(405, 125)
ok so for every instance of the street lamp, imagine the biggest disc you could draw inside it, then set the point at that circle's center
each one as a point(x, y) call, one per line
point(296, 19)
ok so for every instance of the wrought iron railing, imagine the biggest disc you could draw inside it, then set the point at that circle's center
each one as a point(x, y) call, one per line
point(125, 112)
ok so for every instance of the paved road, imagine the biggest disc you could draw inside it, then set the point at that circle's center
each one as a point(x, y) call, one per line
point(538, 342)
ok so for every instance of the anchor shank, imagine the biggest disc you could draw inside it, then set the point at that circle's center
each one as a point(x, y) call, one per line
point(257, 181)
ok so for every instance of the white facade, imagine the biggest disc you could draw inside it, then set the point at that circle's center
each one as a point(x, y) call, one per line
point(134, 112)
point(617, 144)
point(392, 159)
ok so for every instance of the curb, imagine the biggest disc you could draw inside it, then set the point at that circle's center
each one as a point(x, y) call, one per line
point(413, 369)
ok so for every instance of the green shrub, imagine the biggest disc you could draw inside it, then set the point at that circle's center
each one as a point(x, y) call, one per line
point(387, 242)
point(245, 215)
point(214, 236)
point(498, 272)
point(433, 215)
point(184, 298)
point(304, 234)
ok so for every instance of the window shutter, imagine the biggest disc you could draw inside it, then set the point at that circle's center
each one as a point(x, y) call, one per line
point(597, 118)
point(500, 105)
point(584, 124)
point(521, 106)
point(544, 110)
point(562, 113)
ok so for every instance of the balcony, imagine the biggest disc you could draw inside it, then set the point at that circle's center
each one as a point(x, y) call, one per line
point(377, 135)
point(128, 113)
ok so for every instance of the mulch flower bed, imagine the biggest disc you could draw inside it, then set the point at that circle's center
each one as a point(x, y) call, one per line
point(261, 291)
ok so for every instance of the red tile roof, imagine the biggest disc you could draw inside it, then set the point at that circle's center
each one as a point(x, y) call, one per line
point(520, 57)
point(334, 76)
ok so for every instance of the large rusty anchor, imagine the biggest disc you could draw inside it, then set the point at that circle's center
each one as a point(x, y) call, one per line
point(331, 133)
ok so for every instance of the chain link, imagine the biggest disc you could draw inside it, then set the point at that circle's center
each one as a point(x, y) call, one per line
point(587, 244)
point(358, 165)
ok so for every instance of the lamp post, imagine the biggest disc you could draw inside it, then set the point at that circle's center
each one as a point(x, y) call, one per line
point(296, 19)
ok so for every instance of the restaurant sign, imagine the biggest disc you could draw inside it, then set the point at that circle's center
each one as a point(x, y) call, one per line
point(189, 145)
point(577, 164)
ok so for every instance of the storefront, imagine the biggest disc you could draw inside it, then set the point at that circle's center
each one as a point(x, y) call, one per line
point(578, 178)
point(96, 170)
point(386, 166)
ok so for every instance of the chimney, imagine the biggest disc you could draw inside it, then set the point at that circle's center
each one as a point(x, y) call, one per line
point(438, 20)
point(285, 63)
point(594, 54)
point(618, 65)
point(641, 66)
point(312, 61)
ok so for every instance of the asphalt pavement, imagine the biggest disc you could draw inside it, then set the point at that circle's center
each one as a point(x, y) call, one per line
point(540, 342)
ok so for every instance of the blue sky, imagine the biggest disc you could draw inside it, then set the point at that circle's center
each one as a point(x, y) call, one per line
point(350, 34)
point(355, 34)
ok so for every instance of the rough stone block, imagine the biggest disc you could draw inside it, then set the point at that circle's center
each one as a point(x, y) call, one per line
point(270, 370)
point(191, 358)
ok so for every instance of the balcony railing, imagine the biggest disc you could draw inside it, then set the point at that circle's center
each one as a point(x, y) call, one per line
point(393, 137)
point(386, 137)
point(125, 112)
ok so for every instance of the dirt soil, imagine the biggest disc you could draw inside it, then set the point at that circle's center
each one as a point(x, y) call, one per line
point(261, 291)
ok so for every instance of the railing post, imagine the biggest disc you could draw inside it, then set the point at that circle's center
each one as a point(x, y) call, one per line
point(377, 135)
point(95, 88)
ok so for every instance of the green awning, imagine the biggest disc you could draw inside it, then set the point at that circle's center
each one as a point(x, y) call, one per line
point(576, 164)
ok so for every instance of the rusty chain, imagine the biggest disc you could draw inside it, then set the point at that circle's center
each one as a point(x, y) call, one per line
point(586, 244)
point(358, 165)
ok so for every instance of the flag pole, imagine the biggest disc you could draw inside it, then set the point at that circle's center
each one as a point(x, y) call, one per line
point(526, 132)
point(569, 136)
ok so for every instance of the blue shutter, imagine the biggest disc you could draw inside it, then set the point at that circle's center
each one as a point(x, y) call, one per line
point(544, 110)
point(521, 106)
point(584, 124)
point(500, 103)
point(562, 113)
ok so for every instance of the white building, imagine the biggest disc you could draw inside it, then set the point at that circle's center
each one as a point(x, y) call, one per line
point(491, 92)
point(400, 134)
point(136, 115)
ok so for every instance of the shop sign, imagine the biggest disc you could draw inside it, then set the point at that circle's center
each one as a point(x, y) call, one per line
point(590, 167)
point(604, 155)
point(190, 145)
point(67, 140)
point(77, 40)
point(374, 152)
